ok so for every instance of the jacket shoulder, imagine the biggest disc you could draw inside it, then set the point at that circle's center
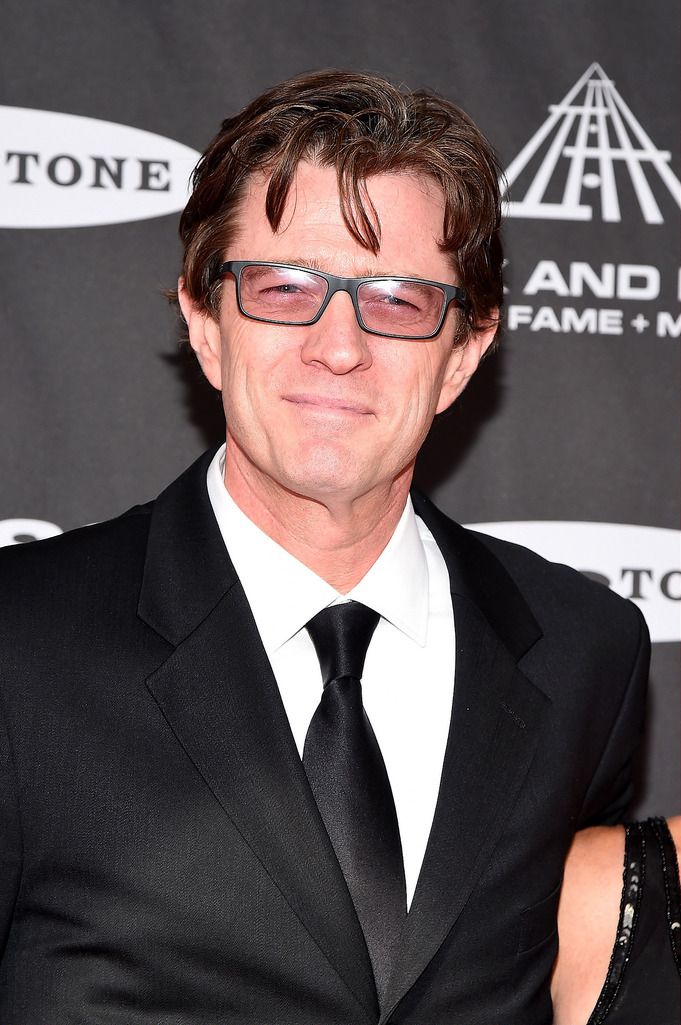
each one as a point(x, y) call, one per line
point(73, 563)
point(555, 593)
point(537, 576)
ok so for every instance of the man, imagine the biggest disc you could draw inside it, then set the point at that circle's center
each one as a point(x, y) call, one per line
point(195, 830)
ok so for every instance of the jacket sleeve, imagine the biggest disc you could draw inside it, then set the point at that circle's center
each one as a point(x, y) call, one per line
point(611, 788)
point(10, 836)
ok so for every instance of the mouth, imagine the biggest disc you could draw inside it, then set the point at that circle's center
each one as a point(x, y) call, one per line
point(326, 403)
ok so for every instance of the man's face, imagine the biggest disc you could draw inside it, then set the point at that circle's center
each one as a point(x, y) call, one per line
point(328, 411)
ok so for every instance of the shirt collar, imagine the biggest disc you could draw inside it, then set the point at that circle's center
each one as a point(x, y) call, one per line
point(287, 594)
point(396, 586)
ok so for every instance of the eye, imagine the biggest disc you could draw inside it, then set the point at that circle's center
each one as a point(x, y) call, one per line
point(395, 300)
point(283, 289)
point(397, 296)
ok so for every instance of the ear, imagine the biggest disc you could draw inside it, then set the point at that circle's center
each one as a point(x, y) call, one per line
point(204, 335)
point(463, 362)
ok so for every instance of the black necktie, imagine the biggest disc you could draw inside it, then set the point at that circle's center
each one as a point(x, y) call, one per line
point(348, 778)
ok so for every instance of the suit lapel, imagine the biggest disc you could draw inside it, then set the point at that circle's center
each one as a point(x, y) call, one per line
point(496, 718)
point(219, 696)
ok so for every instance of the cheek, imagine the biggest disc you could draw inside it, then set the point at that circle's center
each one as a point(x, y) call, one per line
point(253, 366)
point(236, 354)
point(236, 375)
point(415, 384)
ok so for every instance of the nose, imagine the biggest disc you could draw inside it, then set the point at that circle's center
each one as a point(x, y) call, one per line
point(336, 341)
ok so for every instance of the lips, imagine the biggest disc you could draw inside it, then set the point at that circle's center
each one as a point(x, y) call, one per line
point(332, 404)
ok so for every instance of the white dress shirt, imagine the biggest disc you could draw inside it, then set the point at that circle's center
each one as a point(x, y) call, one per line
point(408, 679)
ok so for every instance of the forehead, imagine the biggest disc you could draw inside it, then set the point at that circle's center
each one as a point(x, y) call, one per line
point(409, 209)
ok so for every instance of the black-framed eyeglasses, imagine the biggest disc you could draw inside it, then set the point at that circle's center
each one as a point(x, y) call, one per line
point(394, 307)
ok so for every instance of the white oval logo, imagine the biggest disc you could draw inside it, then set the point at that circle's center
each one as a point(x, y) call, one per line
point(67, 171)
point(16, 532)
point(640, 563)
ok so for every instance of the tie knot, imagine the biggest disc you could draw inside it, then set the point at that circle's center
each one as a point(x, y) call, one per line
point(341, 635)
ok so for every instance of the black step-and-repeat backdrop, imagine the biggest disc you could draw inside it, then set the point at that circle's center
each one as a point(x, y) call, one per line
point(567, 440)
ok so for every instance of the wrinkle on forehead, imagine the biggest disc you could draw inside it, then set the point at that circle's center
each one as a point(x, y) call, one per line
point(259, 180)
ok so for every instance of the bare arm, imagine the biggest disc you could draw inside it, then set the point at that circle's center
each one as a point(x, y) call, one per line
point(675, 829)
point(587, 921)
point(588, 916)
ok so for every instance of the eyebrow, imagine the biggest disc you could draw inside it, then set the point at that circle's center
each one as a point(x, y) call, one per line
point(310, 263)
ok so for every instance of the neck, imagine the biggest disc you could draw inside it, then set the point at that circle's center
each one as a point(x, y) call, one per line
point(336, 536)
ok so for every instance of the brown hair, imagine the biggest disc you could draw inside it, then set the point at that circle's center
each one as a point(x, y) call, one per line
point(362, 125)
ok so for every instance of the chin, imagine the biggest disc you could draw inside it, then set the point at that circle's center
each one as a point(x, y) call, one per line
point(320, 488)
point(316, 475)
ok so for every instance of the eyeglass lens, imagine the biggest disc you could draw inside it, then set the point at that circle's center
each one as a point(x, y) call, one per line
point(294, 296)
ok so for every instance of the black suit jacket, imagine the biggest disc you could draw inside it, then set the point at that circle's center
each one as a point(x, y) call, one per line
point(162, 860)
